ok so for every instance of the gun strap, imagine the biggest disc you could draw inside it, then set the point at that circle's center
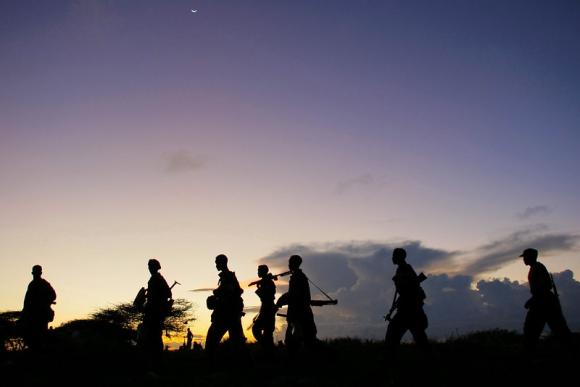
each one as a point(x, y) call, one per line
point(321, 291)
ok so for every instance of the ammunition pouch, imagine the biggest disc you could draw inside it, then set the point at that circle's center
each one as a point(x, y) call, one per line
point(211, 302)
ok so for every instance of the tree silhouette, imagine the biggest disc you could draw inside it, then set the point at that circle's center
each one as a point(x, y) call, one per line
point(116, 327)
point(10, 338)
point(126, 316)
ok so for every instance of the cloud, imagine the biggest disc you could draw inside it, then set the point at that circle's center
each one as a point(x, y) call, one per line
point(496, 254)
point(346, 185)
point(359, 276)
point(182, 161)
point(530, 212)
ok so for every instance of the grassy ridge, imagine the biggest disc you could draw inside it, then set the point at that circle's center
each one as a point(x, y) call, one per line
point(492, 358)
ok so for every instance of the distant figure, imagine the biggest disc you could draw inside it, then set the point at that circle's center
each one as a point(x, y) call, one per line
point(264, 324)
point(408, 304)
point(301, 327)
point(37, 311)
point(189, 339)
point(544, 306)
point(157, 307)
point(228, 309)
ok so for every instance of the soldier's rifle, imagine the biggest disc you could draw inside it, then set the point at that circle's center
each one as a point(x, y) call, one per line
point(328, 301)
point(420, 278)
point(271, 276)
point(387, 317)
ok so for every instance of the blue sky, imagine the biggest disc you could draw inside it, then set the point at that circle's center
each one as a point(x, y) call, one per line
point(134, 129)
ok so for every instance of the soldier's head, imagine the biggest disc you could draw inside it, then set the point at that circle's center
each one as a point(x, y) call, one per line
point(530, 256)
point(221, 262)
point(399, 256)
point(36, 271)
point(294, 262)
point(154, 266)
point(263, 271)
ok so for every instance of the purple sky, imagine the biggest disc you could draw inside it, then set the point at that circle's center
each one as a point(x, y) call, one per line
point(134, 129)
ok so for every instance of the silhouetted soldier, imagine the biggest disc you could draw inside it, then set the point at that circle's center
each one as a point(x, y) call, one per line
point(544, 306)
point(37, 313)
point(157, 308)
point(301, 327)
point(189, 339)
point(264, 324)
point(228, 309)
point(409, 306)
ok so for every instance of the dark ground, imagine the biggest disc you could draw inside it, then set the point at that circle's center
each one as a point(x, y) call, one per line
point(493, 358)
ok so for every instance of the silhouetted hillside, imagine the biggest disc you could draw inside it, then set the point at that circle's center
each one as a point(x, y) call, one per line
point(489, 358)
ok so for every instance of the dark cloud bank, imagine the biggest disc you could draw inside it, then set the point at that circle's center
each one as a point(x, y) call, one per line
point(359, 275)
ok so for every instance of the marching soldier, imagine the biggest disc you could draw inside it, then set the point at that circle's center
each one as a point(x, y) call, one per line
point(37, 311)
point(543, 307)
point(264, 324)
point(156, 309)
point(409, 306)
point(301, 327)
point(228, 306)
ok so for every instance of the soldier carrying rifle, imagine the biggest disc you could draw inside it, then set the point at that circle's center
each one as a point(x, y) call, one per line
point(408, 304)
point(227, 308)
point(156, 302)
point(264, 323)
point(544, 306)
point(301, 326)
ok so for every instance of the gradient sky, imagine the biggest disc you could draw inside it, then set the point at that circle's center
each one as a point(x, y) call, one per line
point(139, 129)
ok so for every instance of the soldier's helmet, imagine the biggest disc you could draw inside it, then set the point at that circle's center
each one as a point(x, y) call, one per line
point(154, 264)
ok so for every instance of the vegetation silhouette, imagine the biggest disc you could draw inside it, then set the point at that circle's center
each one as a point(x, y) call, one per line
point(128, 316)
point(478, 359)
point(10, 332)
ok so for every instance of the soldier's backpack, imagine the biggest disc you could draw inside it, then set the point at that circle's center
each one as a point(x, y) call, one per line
point(140, 299)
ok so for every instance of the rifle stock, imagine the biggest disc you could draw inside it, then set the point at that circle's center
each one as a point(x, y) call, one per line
point(323, 302)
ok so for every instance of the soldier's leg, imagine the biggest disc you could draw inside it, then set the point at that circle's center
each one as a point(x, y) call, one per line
point(395, 331)
point(418, 327)
point(257, 330)
point(236, 331)
point(216, 331)
point(268, 330)
point(153, 341)
point(261, 329)
point(292, 337)
point(533, 327)
point(558, 325)
point(309, 332)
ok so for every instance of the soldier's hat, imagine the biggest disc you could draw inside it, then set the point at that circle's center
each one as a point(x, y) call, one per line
point(530, 253)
